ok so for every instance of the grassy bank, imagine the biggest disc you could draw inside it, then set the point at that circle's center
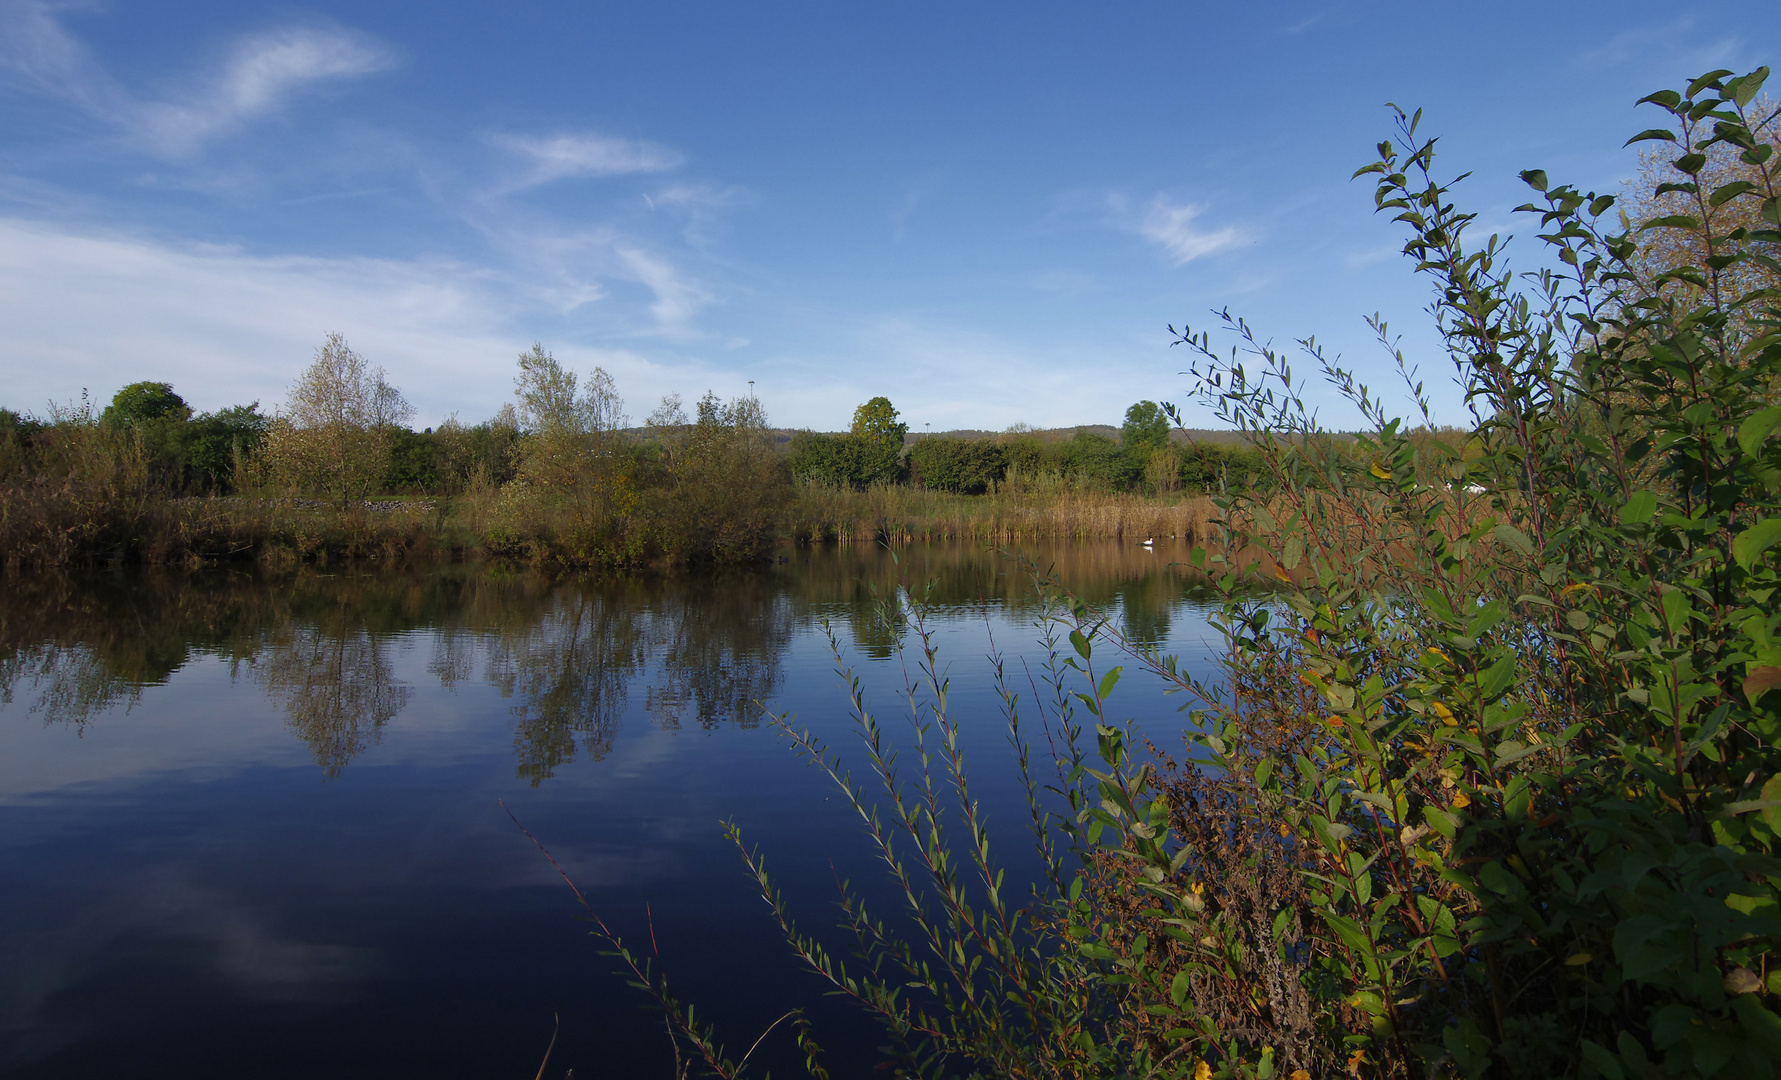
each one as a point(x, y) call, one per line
point(62, 527)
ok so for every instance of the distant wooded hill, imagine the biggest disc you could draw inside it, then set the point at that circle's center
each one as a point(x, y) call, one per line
point(1179, 436)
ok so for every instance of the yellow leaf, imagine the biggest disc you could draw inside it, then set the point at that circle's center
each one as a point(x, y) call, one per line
point(1578, 959)
point(1300, 1074)
point(1202, 1071)
point(1445, 714)
point(1461, 800)
point(1379, 470)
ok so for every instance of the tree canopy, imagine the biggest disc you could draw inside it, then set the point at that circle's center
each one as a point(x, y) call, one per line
point(1146, 427)
point(878, 419)
point(141, 401)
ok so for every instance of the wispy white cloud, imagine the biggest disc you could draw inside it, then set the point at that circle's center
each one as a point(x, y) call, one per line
point(702, 206)
point(1306, 23)
point(677, 299)
point(564, 157)
point(1677, 46)
point(259, 76)
point(1171, 226)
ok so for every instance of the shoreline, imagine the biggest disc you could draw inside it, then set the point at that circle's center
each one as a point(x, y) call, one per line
point(283, 532)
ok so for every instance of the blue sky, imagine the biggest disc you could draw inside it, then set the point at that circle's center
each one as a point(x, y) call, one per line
point(987, 212)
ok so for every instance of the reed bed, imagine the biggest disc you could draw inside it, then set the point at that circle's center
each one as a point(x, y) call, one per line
point(69, 525)
point(60, 526)
point(900, 514)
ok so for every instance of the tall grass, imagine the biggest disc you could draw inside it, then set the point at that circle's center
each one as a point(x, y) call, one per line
point(900, 514)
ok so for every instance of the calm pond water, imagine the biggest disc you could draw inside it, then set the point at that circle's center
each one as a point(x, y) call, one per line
point(250, 826)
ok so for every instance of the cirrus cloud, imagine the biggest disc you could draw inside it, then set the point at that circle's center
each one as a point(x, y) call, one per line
point(260, 74)
point(1170, 225)
point(564, 157)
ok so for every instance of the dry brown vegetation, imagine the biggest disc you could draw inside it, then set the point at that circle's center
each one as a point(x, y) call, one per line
point(901, 514)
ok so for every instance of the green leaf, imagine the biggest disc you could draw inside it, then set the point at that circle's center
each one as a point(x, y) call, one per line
point(1755, 540)
point(1080, 642)
point(1728, 192)
point(1498, 880)
point(1672, 221)
point(1744, 88)
point(1763, 1026)
point(1514, 537)
point(1632, 1052)
point(1702, 82)
point(1349, 931)
point(1677, 610)
point(1645, 945)
point(1602, 1061)
point(1771, 815)
point(1498, 678)
point(1510, 752)
point(1639, 508)
point(1651, 133)
point(1756, 428)
point(1295, 550)
point(1108, 682)
point(1535, 178)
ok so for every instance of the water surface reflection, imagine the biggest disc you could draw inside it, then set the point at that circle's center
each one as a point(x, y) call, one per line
point(251, 823)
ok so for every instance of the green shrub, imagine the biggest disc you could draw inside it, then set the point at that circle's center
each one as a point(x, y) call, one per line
point(967, 466)
point(847, 460)
point(1097, 461)
point(217, 442)
point(1520, 746)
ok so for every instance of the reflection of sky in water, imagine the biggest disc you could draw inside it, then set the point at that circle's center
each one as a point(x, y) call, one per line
point(251, 828)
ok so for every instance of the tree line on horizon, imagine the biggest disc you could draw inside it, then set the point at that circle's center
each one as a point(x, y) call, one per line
point(344, 434)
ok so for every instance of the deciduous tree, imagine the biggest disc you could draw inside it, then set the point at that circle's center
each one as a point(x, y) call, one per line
point(335, 433)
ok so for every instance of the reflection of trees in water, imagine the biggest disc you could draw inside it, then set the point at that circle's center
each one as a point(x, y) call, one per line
point(1146, 607)
point(72, 683)
point(718, 651)
point(1143, 588)
point(566, 652)
point(876, 624)
point(81, 645)
point(335, 685)
point(570, 670)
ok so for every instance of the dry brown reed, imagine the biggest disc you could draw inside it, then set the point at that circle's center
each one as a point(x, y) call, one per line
point(74, 523)
point(900, 514)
